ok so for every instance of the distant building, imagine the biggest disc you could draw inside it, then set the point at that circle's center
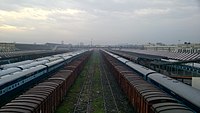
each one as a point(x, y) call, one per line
point(56, 46)
point(188, 48)
point(128, 46)
point(27, 47)
point(7, 47)
point(81, 44)
point(160, 47)
point(180, 48)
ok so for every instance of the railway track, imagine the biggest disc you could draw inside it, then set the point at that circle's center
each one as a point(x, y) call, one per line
point(114, 99)
point(110, 104)
point(83, 104)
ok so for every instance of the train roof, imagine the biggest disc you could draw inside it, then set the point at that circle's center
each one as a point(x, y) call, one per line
point(33, 64)
point(162, 98)
point(43, 58)
point(141, 69)
point(8, 71)
point(16, 64)
point(54, 62)
point(14, 110)
point(189, 93)
point(66, 57)
point(17, 106)
point(54, 58)
point(169, 107)
point(34, 95)
point(8, 78)
point(123, 59)
point(29, 98)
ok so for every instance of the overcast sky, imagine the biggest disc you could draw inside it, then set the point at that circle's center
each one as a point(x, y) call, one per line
point(102, 21)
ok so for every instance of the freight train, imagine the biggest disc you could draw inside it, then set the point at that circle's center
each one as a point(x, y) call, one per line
point(16, 77)
point(47, 95)
point(182, 92)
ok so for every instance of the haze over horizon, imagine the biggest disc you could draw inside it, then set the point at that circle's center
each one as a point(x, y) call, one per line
point(102, 21)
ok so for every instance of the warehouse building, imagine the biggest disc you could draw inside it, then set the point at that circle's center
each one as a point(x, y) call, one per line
point(7, 47)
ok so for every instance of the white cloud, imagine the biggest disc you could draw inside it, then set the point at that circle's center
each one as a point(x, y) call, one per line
point(14, 28)
point(40, 18)
point(25, 13)
point(36, 13)
point(7, 27)
point(151, 11)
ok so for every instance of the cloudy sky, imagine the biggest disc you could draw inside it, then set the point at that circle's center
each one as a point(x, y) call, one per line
point(102, 21)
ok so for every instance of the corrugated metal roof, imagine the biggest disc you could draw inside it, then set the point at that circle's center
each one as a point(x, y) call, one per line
point(170, 55)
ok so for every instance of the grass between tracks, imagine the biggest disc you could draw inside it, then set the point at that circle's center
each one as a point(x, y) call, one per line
point(68, 104)
point(97, 103)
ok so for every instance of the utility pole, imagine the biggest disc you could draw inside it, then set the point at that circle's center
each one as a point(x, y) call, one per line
point(91, 43)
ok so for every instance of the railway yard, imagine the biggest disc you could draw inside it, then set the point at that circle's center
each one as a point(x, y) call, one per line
point(95, 91)
point(93, 81)
point(90, 56)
